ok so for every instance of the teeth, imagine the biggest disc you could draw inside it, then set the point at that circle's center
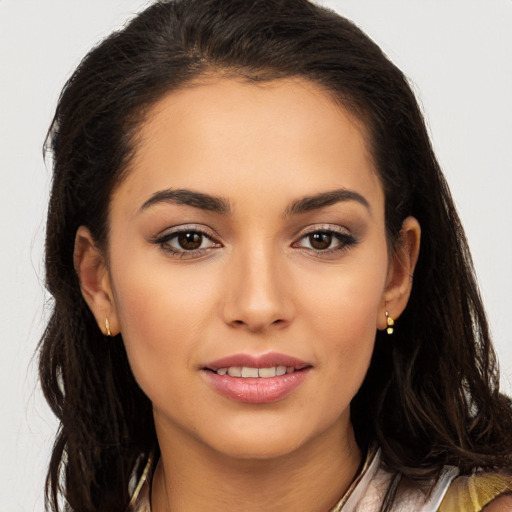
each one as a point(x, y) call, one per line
point(280, 370)
point(235, 371)
point(267, 372)
point(248, 372)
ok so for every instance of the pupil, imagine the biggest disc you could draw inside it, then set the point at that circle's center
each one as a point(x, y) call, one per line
point(320, 240)
point(190, 241)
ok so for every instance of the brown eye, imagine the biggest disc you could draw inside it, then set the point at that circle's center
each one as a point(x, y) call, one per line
point(320, 241)
point(326, 242)
point(187, 243)
point(190, 240)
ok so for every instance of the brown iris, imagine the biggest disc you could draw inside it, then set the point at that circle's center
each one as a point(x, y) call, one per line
point(320, 241)
point(190, 240)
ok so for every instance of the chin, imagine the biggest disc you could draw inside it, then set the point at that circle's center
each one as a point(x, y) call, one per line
point(265, 448)
point(263, 443)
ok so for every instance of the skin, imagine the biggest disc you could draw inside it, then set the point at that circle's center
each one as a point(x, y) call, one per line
point(256, 285)
point(501, 504)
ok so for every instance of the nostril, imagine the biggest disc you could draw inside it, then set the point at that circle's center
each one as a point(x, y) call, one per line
point(255, 325)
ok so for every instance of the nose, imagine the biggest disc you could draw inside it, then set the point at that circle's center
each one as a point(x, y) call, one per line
point(257, 295)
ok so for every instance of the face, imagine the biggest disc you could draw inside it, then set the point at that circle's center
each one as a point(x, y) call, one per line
point(248, 265)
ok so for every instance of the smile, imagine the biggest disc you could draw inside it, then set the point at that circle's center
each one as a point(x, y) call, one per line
point(259, 379)
point(261, 373)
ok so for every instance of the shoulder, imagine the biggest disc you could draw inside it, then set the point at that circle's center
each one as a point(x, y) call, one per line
point(500, 504)
point(481, 491)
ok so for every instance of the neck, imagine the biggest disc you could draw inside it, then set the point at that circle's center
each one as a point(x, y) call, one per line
point(192, 477)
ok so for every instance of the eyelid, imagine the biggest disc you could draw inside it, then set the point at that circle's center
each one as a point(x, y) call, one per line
point(181, 228)
point(345, 237)
point(329, 228)
point(165, 236)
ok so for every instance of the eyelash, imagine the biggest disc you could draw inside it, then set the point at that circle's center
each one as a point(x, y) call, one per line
point(344, 241)
point(343, 238)
point(164, 242)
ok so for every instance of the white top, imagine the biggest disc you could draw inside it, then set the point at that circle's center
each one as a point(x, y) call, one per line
point(367, 492)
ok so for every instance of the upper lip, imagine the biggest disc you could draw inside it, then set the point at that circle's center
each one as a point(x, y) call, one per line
point(267, 360)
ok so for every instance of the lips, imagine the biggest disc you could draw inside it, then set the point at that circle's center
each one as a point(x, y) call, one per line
point(261, 379)
point(268, 360)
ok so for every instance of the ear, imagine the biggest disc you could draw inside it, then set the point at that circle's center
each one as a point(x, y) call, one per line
point(400, 272)
point(91, 268)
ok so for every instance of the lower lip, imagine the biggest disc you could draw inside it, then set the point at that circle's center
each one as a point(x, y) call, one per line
point(256, 390)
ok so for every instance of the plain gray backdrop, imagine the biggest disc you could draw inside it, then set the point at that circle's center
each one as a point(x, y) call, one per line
point(458, 54)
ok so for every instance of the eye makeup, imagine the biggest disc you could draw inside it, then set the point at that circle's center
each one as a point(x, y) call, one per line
point(187, 241)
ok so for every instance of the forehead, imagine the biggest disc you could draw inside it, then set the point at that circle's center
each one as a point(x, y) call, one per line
point(288, 136)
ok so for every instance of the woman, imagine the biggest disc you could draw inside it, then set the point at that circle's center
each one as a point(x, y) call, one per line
point(243, 314)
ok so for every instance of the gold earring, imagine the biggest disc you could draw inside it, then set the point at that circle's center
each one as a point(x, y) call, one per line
point(107, 326)
point(390, 322)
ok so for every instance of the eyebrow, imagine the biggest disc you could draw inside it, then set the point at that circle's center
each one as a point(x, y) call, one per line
point(220, 205)
point(324, 199)
point(189, 198)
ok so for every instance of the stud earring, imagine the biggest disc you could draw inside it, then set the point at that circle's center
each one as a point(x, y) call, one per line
point(390, 323)
point(107, 326)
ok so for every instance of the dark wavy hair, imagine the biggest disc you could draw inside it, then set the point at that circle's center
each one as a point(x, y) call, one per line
point(431, 395)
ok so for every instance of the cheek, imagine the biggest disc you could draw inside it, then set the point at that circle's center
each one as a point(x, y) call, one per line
point(153, 294)
point(161, 313)
point(346, 301)
point(343, 309)
point(348, 330)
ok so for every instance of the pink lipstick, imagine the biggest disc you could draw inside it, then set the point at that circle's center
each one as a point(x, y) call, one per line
point(256, 379)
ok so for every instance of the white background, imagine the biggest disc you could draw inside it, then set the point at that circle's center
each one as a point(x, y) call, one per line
point(458, 53)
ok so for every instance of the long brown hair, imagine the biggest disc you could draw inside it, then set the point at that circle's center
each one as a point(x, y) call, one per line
point(430, 397)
